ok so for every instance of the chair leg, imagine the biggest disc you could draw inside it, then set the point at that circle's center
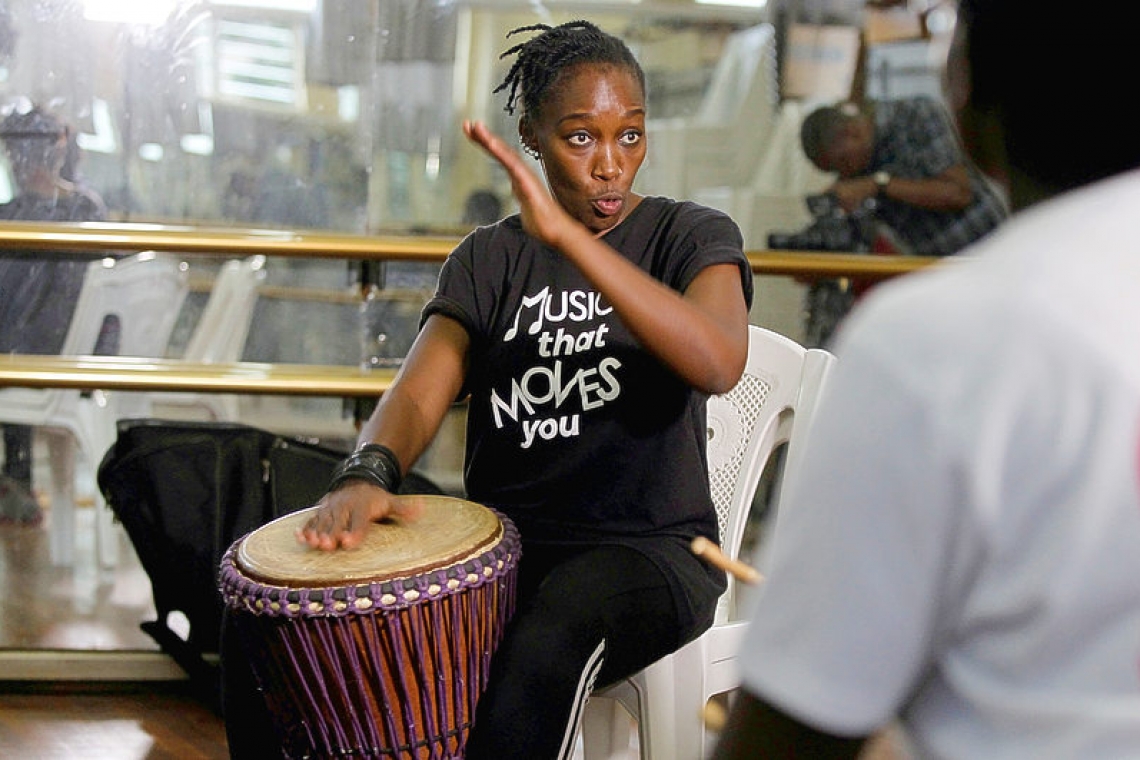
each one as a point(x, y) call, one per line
point(106, 534)
point(61, 450)
point(95, 434)
point(671, 725)
point(606, 730)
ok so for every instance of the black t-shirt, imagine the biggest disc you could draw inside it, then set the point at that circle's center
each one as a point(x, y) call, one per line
point(574, 431)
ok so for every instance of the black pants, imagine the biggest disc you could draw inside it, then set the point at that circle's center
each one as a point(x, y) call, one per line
point(609, 601)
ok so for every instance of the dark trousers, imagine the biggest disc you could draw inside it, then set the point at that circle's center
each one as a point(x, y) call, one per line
point(610, 597)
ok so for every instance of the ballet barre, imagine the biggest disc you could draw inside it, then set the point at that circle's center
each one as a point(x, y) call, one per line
point(118, 373)
point(115, 237)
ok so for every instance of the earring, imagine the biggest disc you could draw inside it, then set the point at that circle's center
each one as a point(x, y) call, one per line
point(530, 150)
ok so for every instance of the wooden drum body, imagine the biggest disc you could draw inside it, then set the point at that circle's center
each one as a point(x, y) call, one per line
point(382, 650)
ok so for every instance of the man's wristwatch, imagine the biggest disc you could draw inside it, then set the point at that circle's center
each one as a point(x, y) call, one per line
point(882, 179)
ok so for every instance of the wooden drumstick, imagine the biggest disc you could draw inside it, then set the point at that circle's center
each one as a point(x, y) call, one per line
point(711, 553)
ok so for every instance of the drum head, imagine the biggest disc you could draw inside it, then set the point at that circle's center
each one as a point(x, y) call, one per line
point(448, 531)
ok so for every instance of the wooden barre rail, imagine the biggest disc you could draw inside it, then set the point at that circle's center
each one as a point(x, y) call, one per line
point(157, 375)
point(118, 237)
point(118, 373)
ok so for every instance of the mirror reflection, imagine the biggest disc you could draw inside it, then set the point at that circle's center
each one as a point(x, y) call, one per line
point(331, 115)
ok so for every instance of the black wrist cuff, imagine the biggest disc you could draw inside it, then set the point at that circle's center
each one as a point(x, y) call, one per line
point(373, 463)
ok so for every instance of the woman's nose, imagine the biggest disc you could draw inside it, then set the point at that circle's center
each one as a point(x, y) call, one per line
point(607, 163)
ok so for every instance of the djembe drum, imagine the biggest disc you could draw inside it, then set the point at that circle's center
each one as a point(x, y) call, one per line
point(382, 650)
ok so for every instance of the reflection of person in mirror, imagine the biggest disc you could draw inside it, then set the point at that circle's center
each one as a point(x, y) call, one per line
point(38, 292)
point(588, 331)
point(482, 207)
point(902, 158)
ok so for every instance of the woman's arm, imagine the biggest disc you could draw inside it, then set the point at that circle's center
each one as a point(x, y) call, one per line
point(701, 334)
point(410, 412)
point(405, 421)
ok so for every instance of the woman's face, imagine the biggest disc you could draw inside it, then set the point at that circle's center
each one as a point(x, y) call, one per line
point(590, 134)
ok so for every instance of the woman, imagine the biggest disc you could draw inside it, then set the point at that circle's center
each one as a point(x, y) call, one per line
point(587, 331)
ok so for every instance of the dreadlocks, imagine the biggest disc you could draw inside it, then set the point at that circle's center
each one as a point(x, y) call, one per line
point(542, 59)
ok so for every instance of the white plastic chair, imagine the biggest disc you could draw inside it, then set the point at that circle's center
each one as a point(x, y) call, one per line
point(220, 334)
point(773, 400)
point(772, 199)
point(723, 142)
point(145, 292)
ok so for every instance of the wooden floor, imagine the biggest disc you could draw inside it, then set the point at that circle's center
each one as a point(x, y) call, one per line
point(154, 721)
point(54, 612)
point(84, 606)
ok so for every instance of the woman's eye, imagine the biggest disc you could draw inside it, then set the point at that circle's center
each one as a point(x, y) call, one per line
point(631, 138)
point(579, 139)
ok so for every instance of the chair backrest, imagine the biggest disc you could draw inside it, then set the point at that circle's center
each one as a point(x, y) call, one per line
point(222, 329)
point(722, 142)
point(144, 291)
point(744, 80)
point(746, 426)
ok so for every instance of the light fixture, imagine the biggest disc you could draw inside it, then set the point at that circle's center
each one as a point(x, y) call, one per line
point(736, 3)
point(301, 6)
point(142, 12)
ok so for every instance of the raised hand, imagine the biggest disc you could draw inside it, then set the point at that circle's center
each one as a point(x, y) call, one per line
point(542, 216)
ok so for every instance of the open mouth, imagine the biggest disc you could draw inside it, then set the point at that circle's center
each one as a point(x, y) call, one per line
point(608, 206)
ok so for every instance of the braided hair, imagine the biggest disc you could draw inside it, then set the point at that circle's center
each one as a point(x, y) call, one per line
point(542, 59)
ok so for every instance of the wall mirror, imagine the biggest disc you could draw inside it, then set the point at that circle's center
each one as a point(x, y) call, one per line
point(339, 116)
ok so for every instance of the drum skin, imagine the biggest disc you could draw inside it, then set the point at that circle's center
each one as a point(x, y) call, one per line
point(382, 650)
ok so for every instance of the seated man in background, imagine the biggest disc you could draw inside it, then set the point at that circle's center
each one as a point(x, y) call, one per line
point(900, 161)
point(958, 553)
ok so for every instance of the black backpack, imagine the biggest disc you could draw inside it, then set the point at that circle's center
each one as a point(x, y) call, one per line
point(185, 491)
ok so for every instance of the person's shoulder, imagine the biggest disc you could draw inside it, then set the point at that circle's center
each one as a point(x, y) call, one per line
point(507, 232)
point(1086, 232)
point(1033, 264)
point(659, 207)
point(908, 107)
point(510, 225)
point(925, 106)
point(85, 204)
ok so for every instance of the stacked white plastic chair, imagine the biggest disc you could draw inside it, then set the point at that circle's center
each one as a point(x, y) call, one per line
point(145, 293)
point(220, 335)
point(723, 142)
point(771, 405)
point(772, 199)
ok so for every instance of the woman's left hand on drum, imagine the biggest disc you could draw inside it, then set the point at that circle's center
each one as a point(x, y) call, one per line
point(343, 515)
